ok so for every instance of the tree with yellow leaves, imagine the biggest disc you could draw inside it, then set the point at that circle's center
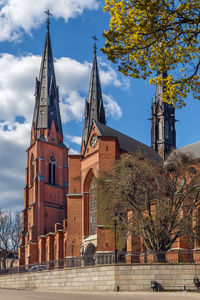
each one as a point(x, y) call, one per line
point(150, 37)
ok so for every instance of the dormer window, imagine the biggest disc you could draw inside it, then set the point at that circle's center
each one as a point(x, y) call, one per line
point(52, 169)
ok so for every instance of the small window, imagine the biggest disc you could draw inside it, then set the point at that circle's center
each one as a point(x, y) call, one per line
point(106, 148)
point(52, 169)
point(32, 170)
point(160, 130)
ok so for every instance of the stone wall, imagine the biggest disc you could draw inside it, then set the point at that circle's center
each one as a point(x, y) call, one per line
point(107, 278)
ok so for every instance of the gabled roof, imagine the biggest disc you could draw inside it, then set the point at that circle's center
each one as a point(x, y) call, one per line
point(129, 144)
point(192, 150)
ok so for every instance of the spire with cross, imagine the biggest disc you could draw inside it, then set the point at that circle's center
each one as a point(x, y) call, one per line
point(94, 108)
point(48, 15)
point(95, 44)
point(47, 98)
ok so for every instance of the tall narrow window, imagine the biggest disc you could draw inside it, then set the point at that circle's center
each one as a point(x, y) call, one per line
point(160, 130)
point(32, 169)
point(52, 169)
point(93, 208)
point(167, 129)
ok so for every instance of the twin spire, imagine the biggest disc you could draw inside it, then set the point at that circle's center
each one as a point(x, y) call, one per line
point(94, 108)
point(46, 94)
point(47, 112)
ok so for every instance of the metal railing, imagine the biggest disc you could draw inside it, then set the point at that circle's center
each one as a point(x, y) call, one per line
point(171, 256)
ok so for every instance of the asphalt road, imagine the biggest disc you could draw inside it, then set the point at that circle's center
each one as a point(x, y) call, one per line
point(55, 295)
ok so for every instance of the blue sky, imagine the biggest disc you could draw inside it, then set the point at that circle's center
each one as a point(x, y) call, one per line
point(127, 101)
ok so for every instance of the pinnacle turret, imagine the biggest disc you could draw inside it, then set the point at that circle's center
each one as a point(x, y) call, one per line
point(163, 134)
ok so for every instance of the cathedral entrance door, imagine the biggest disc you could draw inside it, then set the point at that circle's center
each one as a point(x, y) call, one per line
point(89, 255)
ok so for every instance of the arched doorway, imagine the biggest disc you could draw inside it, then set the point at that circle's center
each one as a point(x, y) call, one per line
point(89, 255)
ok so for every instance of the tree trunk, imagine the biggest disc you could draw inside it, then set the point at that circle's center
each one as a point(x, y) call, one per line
point(159, 256)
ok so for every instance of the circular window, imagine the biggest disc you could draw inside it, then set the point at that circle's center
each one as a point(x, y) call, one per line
point(94, 140)
point(52, 159)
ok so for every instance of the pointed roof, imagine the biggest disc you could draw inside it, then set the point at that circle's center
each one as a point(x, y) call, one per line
point(95, 100)
point(46, 95)
point(94, 108)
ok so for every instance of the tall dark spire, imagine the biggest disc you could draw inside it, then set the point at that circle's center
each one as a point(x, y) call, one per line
point(46, 94)
point(163, 134)
point(94, 108)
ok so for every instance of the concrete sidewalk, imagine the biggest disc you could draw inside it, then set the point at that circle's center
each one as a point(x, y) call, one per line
point(6, 294)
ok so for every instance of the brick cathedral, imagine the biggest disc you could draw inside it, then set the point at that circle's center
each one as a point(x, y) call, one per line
point(59, 216)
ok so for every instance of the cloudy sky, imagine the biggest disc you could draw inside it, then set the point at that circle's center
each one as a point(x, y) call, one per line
point(127, 101)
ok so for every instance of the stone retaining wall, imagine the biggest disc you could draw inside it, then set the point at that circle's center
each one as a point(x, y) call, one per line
point(107, 278)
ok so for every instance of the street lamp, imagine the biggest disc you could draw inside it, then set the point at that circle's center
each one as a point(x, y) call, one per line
point(115, 229)
point(73, 248)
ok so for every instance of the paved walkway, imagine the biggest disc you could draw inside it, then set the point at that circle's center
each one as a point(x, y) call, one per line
point(56, 295)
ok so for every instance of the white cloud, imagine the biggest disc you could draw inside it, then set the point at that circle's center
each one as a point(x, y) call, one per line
point(109, 76)
point(17, 16)
point(72, 107)
point(74, 139)
point(73, 151)
point(111, 107)
point(17, 80)
point(14, 139)
point(72, 75)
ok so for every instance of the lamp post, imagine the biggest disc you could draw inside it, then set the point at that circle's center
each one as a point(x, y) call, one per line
point(72, 248)
point(72, 259)
point(115, 229)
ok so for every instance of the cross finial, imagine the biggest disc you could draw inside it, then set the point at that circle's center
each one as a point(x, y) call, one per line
point(95, 40)
point(48, 15)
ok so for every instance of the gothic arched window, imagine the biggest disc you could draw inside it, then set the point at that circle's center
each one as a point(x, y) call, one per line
point(93, 208)
point(32, 169)
point(52, 169)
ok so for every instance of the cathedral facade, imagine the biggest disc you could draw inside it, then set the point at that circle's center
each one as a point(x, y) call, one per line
point(60, 212)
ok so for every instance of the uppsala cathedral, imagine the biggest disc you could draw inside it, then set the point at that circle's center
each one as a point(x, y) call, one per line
point(59, 216)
